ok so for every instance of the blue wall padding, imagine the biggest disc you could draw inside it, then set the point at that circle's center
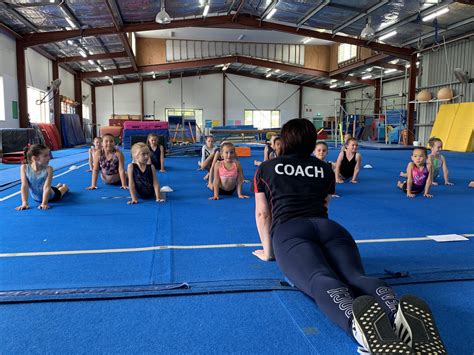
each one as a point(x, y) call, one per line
point(71, 130)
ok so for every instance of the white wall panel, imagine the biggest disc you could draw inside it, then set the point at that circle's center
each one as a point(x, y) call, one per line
point(67, 83)
point(10, 81)
point(38, 70)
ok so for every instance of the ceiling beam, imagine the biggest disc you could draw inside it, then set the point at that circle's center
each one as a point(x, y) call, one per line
point(118, 24)
point(92, 57)
point(360, 16)
point(67, 11)
point(312, 12)
point(8, 31)
point(360, 63)
point(398, 52)
point(218, 21)
point(281, 66)
point(158, 78)
point(269, 8)
point(242, 3)
point(411, 18)
point(443, 30)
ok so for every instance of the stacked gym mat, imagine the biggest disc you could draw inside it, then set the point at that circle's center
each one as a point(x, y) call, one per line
point(71, 130)
point(143, 128)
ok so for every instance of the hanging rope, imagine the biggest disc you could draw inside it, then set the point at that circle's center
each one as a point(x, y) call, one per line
point(436, 45)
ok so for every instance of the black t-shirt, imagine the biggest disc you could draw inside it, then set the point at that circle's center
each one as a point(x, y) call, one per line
point(295, 187)
point(156, 157)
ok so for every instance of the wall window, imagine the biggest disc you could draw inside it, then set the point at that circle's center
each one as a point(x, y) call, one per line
point(262, 118)
point(346, 52)
point(67, 105)
point(2, 101)
point(85, 112)
point(38, 105)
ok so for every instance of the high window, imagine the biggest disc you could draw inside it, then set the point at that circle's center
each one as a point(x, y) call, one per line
point(346, 52)
point(262, 118)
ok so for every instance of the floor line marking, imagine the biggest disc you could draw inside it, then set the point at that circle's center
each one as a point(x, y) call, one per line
point(181, 247)
point(55, 176)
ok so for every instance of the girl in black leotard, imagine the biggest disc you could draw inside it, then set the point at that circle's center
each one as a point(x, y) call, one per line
point(348, 162)
point(318, 255)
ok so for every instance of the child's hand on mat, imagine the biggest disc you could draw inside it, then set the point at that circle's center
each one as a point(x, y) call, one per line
point(434, 183)
point(160, 200)
point(339, 181)
point(88, 170)
point(215, 198)
point(91, 188)
point(244, 196)
point(427, 195)
point(354, 182)
point(162, 170)
point(261, 255)
point(23, 207)
point(44, 206)
point(132, 202)
point(447, 183)
point(410, 195)
point(123, 187)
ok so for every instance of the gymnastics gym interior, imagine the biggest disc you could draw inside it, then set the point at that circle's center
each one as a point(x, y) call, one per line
point(94, 274)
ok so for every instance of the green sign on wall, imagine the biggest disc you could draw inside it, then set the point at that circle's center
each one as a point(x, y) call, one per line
point(15, 109)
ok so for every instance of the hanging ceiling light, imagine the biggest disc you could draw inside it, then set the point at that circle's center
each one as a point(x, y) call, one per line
point(368, 32)
point(162, 17)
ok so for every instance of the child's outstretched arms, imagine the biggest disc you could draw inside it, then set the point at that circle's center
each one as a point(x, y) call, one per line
point(162, 158)
point(215, 181)
point(95, 172)
point(429, 180)
point(338, 168)
point(121, 170)
point(156, 186)
point(131, 186)
point(91, 160)
point(24, 189)
point(358, 159)
point(410, 180)
point(240, 181)
point(446, 172)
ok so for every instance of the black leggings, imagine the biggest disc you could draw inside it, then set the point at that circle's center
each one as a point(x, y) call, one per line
point(321, 258)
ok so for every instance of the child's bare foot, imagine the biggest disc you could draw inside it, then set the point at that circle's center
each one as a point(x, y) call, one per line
point(206, 177)
point(400, 184)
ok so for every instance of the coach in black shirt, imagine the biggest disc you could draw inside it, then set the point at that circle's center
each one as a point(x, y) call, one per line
point(318, 255)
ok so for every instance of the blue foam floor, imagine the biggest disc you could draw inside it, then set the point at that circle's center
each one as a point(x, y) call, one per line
point(101, 219)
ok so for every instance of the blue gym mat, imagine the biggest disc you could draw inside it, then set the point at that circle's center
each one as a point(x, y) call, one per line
point(91, 226)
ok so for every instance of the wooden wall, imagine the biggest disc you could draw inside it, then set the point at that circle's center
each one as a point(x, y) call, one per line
point(151, 51)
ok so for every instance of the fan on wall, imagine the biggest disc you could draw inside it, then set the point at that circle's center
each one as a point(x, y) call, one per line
point(52, 90)
point(463, 76)
point(86, 99)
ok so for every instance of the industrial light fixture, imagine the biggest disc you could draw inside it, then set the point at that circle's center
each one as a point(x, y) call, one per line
point(99, 69)
point(225, 67)
point(206, 10)
point(111, 80)
point(368, 32)
point(269, 74)
point(388, 35)
point(241, 37)
point(367, 77)
point(70, 22)
point(347, 82)
point(306, 40)
point(82, 53)
point(277, 71)
point(154, 75)
point(333, 86)
point(271, 13)
point(162, 17)
point(70, 42)
point(91, 62)
point(388, 71)
point(436, 14)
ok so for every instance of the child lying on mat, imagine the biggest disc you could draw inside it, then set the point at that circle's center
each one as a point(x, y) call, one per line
point(274, 150)
point(348, 163)
point(142, 178)
point(36, 176)
point(419, 174)
point(96, 147)
point(110, 161)
point(228, 174)
point(157, 152)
